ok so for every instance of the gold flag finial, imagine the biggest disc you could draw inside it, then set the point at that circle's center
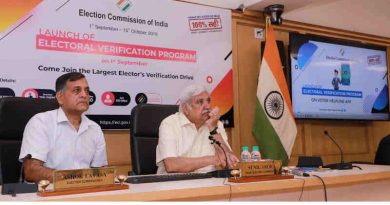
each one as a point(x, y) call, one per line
point(273, 14)
point(267, 24)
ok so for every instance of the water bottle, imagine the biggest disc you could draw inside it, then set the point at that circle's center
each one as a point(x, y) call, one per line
point(245, 154)
point(255, 155)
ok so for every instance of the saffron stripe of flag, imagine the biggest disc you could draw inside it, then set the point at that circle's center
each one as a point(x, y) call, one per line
point(120, 2)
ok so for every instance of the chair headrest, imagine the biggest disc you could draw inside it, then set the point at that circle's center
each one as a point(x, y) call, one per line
point(146, 118)
point(15, 112)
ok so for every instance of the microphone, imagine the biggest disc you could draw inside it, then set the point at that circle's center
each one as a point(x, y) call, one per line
point(342, 165)
point(224, 173)
point(300, 173)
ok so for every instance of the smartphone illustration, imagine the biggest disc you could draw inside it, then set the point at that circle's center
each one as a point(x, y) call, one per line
point(345, 74)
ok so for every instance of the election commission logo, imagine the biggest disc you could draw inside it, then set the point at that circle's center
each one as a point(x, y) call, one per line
point(123, 5)
point(274, 105)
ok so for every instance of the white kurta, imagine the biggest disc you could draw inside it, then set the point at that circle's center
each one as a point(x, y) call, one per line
point(178, 137)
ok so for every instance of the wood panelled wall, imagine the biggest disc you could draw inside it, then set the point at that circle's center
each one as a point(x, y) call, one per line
point(359, 140)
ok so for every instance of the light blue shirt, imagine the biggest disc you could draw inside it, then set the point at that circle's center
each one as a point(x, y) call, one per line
point(51, 138)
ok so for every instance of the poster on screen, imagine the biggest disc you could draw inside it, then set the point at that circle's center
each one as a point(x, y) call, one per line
point(131, 51)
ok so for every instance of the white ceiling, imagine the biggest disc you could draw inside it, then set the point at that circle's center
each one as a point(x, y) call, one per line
point(363, 16)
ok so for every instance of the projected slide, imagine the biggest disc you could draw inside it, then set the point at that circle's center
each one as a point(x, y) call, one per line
point(131, 52)
point(335, 81)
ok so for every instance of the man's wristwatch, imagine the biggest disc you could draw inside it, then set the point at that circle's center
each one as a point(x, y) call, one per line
point(214, 131)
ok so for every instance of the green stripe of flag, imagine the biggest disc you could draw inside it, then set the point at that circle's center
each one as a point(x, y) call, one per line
point(126, 7)
point(265, 135)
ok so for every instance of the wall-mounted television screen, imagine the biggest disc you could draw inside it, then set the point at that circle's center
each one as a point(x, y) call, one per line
point(336, 79)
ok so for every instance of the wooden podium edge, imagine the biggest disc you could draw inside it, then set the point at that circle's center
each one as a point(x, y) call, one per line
point(259, 178)
point(112, 187)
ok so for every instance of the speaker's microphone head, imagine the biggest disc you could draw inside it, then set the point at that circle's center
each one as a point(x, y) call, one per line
point(326, 132)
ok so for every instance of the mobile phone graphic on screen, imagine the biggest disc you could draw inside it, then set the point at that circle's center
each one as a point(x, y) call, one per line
point(345, 74)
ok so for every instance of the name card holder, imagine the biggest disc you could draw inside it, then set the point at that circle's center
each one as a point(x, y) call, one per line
point(263, 170)
point(83, 181)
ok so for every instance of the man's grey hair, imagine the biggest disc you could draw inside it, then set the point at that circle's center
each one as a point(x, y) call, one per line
point(189, 92)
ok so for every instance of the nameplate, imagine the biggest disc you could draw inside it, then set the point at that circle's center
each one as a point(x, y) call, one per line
point(83, 178)
point(260, 168)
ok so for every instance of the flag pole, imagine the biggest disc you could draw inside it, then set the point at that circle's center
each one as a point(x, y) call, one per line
point(267, 23)
point(274, 126)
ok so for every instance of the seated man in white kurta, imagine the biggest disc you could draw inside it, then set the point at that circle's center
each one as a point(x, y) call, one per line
point(184, 144)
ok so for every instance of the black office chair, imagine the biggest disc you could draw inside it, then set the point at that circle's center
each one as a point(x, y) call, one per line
point(145, 122)
point(14, 115)
point(383, 152)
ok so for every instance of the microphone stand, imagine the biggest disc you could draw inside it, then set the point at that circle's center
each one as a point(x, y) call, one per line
point(224, 173)
point(342, 165)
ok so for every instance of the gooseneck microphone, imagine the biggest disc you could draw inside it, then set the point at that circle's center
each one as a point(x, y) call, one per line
point(226, 171)
point(214, 141)
point(342, 165)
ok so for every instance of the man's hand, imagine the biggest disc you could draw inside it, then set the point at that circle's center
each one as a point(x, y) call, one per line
point(35, 171)
point(212, 122)
point(232, 160)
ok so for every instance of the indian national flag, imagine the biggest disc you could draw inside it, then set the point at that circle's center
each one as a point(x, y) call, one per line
point(274, 125)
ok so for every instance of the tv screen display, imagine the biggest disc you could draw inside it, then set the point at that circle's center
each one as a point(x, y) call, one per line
point(335, 79)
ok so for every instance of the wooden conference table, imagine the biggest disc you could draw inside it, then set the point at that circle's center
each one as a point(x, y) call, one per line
point(372, 183)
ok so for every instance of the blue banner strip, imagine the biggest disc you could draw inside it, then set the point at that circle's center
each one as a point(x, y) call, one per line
point(330, 92)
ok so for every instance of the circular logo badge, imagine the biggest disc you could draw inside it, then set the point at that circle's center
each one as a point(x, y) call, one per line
point(209, 79)
point(108, 98)
point(141, 98)
point(92, 98)
point(274, 105)
point(30, 93)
